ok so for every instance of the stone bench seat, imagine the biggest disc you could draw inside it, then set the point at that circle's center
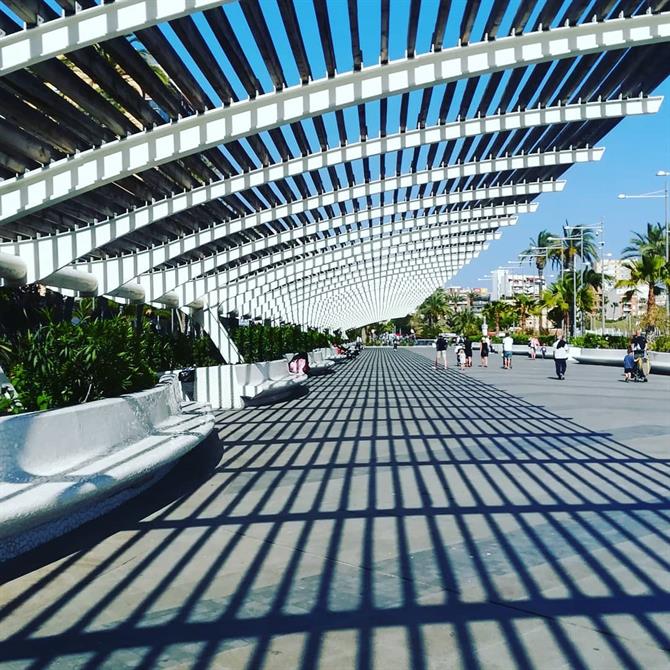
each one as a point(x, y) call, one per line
point(331, 355)
point(266, 382)
point(66, 466)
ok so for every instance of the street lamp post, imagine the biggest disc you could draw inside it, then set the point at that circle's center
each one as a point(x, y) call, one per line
point(574, 280)
point(666, 174)
point(600, 227)
point(663, 193)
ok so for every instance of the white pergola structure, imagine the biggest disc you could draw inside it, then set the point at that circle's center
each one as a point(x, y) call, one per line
point(241, 155)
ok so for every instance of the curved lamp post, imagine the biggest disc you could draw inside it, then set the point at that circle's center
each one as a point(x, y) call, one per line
point(662, 193)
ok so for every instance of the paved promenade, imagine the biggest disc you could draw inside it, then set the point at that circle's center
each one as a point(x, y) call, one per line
point(396, 517)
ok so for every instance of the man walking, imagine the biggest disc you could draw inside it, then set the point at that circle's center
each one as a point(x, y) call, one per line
point(507, 347)
point(561, 353)
point(639, 346)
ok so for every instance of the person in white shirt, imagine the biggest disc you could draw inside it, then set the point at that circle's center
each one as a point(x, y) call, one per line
point(561, 353)
point(507, 346)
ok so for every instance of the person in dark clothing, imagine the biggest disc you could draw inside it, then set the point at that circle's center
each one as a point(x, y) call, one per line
point(441, 350)
point(639, 343)
point(484, 353)
point(639, 346)
point(467, 346)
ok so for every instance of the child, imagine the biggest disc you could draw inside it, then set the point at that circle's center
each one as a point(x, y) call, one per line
point(628, 364)
point(460, 356)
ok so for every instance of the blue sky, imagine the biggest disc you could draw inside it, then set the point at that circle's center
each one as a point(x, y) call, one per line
point(634, 151)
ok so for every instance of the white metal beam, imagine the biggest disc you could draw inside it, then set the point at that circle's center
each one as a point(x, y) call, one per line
point(306, 295)
point(371, 289)
point(295, 281)
point(17, 197)
point(197, 133)
point(239, 280)
point(215, 289)
point(46, 254)
point(189, 282)
point(90, 26)
point(114, 272)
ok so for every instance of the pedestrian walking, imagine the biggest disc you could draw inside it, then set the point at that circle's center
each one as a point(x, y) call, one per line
point(639, 346)
point(484, 353)
point(561, 353)
point(441, 350)
point(507, 347)
point(467, 347)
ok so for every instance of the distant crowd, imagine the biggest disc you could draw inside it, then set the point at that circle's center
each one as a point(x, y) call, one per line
point(636, 365)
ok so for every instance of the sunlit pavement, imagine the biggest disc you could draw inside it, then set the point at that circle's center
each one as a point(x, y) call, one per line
point(397, 517)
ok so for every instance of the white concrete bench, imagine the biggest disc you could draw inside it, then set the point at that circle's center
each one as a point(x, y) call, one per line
point(330, 354)
point(60, 468)
point(265, 383)
point(246, 384)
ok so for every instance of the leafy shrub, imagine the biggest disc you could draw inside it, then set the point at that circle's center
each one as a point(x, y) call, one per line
point(260, 342)
point(595, 341)
point(661, 343)
point(61, 364)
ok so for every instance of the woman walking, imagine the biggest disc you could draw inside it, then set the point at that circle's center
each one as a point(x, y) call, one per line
point(467, 347)
point(484, 353)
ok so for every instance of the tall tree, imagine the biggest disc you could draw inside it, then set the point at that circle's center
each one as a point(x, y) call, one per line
point(523, 305)
point(434, 307)
point(543, 240)
point(651, 241)
point(581, 243)
point(497, 312)
point(650, 270)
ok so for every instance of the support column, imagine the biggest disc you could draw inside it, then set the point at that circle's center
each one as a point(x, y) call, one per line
point(208, 319)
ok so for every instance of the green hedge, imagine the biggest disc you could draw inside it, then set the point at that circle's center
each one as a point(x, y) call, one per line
point(61, 364)
point(595, 341)
point(259, 342)
point(661, 343)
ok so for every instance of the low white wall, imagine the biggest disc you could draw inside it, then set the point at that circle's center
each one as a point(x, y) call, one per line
point(53, 463)
point(216, 385)
point(660, 361)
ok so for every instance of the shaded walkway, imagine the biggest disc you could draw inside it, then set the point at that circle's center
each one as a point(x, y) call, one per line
point(395, 518)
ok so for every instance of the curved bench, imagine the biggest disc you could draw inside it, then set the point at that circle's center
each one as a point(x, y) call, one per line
point(265, 383)
point(330, 354)
point(61, 468)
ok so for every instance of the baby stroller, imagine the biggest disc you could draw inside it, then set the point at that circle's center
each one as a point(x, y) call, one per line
point(641, 367)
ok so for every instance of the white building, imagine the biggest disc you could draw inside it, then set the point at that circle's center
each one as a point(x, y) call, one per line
point(506, 284)
point(617, 304)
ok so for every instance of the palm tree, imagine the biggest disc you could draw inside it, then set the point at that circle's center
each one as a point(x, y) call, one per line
point(465, 322)
point(651, 270)
point(652, 241)
point(564, 253)
point(543, 240)
point(557, 300)
point(523, 304)
point(497, 312)
point(434, 307)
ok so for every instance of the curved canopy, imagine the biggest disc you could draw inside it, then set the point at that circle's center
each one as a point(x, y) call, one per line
point(329, 164)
